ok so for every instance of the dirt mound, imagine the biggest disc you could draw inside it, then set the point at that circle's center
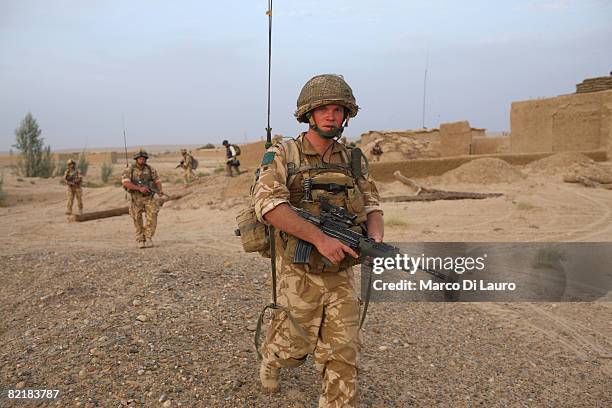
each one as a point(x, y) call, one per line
point(552, 164)
point(589, 173)
point(483, 171)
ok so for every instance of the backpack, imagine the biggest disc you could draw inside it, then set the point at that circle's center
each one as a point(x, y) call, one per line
point(237, 148)
point(194, 163)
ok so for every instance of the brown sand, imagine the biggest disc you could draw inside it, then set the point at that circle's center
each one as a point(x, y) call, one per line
point(84, 311)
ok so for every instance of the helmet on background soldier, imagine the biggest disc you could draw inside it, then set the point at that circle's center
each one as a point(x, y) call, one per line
point(324, 90)
point(69, 162)
point(225, 143)
point(183, 151)
point(141, 153)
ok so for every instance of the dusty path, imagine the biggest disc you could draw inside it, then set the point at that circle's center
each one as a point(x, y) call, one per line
point(85, 312)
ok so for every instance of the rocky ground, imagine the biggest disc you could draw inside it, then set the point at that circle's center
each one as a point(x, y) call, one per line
point(85, 312)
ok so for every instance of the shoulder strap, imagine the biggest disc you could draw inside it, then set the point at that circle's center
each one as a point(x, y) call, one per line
point(294, 158)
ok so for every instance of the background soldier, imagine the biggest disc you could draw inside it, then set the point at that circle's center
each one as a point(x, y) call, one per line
point(232, 162)
point(142, 181)
point(322, 299)
point(187, 166)
point(377, 151)
point(73, 179)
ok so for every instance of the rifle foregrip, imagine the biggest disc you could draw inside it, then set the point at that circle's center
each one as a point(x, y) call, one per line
point(302, 252)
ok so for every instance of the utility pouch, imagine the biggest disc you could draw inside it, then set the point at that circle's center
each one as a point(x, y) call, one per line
point(253, 233)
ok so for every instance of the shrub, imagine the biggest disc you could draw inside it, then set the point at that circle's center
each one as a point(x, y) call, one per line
point(82, 164)
point(60, 169)
point(106, 172)
point(2, 193)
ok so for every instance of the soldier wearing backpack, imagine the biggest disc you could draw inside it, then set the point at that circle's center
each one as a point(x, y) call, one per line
point(188, 164)
point(321, 298)
point(232, 163)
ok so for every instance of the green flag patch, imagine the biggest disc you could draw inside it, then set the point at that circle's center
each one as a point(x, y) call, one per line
point(268, 158)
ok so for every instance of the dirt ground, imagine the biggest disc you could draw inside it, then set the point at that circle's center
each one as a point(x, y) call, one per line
point(83, 311)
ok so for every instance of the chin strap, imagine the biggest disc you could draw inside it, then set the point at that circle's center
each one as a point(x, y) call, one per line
point(334, 134)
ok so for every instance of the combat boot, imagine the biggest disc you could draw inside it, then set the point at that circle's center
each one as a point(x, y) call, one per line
point(142, 244)
point(150, 243)
point(268, 376)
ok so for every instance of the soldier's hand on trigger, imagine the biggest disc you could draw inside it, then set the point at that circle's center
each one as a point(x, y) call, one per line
point(144, 189)
point(334, 250)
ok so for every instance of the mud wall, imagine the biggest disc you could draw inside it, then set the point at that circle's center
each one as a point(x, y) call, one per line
point(455, 138)
point(419, 168)
point(574, 122)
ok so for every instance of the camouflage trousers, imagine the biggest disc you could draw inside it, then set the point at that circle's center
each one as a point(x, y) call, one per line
point(148, 205)
point(230, 166)
point(72, 192)
point(187, 175)
point(326, 307)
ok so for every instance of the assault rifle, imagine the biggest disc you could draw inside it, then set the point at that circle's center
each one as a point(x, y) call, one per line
point(180, 164)
point(337, 222)
point(151, 188)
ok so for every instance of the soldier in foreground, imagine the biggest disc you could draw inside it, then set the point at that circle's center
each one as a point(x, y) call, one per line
point(322, 299)
point(232, 163)
point(142, 182)
point(73, 179)
point(187, 166)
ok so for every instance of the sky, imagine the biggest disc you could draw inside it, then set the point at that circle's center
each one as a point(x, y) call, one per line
point(194, 72)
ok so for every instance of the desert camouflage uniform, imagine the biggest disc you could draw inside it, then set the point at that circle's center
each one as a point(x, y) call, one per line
point(323, 300)
point(187, 168)
point(73, 179)
point(232, 163)
point(142, 203)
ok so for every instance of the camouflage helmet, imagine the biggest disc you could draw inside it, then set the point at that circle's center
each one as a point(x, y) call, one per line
point(141, 153)
point(324, 90)
point(69, 162)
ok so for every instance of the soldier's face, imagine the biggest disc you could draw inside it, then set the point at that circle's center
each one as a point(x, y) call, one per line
point(328, 117)
point(141, 161)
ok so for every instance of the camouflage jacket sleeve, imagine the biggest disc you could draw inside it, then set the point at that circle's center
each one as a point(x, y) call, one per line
point(154, 175)
point(271, 186)
point(370, 192)
point(66, 174)
point(187, 162)
point(126, 176)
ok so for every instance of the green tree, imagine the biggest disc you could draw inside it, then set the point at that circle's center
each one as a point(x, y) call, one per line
point(35, 159)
